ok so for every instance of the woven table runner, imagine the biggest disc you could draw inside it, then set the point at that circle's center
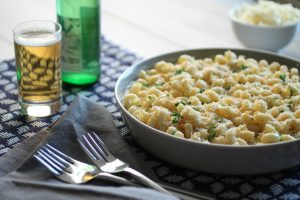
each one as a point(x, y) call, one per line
point(14, 129)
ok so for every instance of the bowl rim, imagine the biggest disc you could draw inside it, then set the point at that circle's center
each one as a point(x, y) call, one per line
point(234, 19)
point(192, 142)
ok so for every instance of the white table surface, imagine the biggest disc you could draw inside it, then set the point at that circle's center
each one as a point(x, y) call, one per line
point(145, 27)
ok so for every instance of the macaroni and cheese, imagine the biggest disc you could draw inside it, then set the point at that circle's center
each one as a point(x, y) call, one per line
point(229, 99)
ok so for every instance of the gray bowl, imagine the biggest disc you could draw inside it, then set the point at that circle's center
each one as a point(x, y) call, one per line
point(271, 38)
point(213, 158)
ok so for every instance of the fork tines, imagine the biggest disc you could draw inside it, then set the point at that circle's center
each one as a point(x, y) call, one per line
point(94, 146)
point(54, 160)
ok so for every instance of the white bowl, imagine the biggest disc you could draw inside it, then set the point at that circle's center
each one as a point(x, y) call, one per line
point(215, 158)
point(271, 38)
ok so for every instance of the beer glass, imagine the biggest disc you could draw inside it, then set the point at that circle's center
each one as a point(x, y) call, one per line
point(38, 64)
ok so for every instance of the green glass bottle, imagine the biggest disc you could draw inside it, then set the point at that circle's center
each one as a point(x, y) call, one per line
point(80, 40)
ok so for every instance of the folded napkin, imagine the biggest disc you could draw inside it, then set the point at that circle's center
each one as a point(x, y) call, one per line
point(22, 177)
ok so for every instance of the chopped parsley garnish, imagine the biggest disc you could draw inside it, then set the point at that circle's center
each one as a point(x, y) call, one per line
point(221, 120)
point(227, 87)
point(282, 77)
point(150, 98)
point(176, 117)
point(243, 67)
point(211, 132)
point(291, 105)
point(180, 102)
point(177, 72)
point(175, 120)
point(201, 90)
point(195, 108)
point(176, 114)
point(292, 91)
point(281, 111)
point(159, 84)
point(145, 84)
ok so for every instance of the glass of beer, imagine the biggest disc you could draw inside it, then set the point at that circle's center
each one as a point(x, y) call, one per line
point(38, 65)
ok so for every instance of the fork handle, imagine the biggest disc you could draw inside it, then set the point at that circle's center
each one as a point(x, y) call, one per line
point(116, 179)
point(182, 194)
point(144, 180)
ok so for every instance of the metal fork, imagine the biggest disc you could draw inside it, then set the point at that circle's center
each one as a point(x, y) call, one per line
point(76, 172)
point(70, 170)
point(106, 162)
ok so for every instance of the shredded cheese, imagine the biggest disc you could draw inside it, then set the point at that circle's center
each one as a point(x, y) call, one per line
point(268, 13)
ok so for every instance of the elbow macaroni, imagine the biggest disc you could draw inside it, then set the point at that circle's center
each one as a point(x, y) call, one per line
point(229, 99)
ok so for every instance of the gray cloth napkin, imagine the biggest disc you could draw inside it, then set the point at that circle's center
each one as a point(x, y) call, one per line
point(22, 177)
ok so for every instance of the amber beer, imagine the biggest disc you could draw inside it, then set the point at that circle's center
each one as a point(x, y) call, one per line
point(38, 65)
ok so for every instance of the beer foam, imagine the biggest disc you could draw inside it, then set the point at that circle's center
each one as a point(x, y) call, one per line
point(37, 38)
